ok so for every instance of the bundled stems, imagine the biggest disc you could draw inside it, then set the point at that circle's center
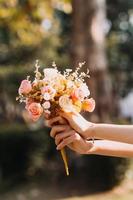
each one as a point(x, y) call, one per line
point(64, 157)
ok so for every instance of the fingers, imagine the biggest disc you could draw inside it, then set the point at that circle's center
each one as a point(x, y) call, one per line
point(74, 137)
point(57, 129)
point(61, 136)
point(56, 120)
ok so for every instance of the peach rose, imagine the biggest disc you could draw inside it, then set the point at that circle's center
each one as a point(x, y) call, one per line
point(25, 87)
point(35, 110)
point(77, 95)
point(28, 102)
point(88, 105)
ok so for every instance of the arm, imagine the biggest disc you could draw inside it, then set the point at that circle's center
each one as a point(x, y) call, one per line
point(111, 148)
point(120, 133)
point(65, 136)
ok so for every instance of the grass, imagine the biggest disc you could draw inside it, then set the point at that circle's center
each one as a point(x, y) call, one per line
point(43, 191)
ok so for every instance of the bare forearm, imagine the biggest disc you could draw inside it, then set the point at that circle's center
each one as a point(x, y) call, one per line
point(111, 148)
point(120, 133)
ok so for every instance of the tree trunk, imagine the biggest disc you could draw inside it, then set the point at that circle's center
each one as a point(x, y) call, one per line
point(88, 44)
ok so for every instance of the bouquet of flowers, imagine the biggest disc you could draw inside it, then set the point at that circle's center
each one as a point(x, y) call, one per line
point(53, 92)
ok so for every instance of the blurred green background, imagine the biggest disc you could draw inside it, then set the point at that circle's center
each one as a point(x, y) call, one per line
point(98, 32)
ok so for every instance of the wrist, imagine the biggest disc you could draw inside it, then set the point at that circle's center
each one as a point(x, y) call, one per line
point(90, 132)
point(92, 148)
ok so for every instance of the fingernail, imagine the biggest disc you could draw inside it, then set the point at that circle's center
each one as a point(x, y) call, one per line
point(58, 147)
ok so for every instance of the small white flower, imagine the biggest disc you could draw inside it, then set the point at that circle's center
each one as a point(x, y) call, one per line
point(46, 105)
point(46, 96)
point(68, 70)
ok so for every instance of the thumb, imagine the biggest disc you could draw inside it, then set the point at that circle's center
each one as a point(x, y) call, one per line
point(76, 121)
point(73, 119)
point(68, 115)
point(65, 115)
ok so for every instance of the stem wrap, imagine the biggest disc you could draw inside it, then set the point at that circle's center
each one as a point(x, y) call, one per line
point(64, 157)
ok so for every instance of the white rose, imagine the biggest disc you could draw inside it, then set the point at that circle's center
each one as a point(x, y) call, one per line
point(84, 89)
point(50, 73)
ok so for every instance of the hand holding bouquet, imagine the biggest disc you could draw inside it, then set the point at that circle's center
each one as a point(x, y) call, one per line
point(52, 92)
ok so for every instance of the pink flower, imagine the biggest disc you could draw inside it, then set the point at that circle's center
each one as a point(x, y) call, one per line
point(28, 102)
point(48, 92)
point(89, 105)
point(45, 89)
point(77, 94)
point(25, 87)
point(35, 110)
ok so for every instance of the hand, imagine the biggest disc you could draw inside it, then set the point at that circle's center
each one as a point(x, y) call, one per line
point(58, 120)
point(65, 136)
point(77, 122)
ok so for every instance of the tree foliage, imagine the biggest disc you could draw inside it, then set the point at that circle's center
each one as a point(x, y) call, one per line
point(120, 40)
point(23, 26)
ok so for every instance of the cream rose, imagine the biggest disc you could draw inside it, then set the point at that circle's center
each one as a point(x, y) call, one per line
point(84, 89)
point(50, 73)
point(66, 103)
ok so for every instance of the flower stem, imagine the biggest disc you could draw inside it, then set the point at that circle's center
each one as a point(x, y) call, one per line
point(63, 154)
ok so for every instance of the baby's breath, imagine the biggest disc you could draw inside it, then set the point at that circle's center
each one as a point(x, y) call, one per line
point(67, 72)
point(80, 65)
point(37, 73)
point(28, 78)
point(76, 75)
point(54, 65)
